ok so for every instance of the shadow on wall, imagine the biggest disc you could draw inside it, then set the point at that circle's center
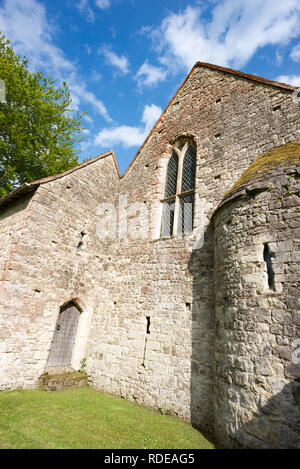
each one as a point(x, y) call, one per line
point(275, 425)
point(276, 422)
point(16, 207)
point(201, 267)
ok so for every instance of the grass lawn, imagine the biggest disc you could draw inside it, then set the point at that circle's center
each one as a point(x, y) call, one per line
point(85, 418)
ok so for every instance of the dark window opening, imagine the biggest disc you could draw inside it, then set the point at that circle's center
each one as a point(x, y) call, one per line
point(270, 271)
point(145, 344)
point(80, 244)
point(148, 324)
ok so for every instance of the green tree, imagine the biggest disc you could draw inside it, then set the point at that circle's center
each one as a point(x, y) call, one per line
point(38, 130)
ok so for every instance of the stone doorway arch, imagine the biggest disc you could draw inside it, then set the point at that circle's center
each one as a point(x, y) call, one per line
point(60, 355)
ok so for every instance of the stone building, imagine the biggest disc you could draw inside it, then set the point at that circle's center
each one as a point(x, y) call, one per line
point(178, 281)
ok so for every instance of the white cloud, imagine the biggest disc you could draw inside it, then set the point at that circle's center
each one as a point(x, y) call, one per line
point(149, 75)
point(150, 116)
point(124, 135)
point(31, 33)
point(96, 76)
point(295, 55)
point(88, 118)
point(129, 136)
point(24, 22)
point(85, 9)
point(103, 4)
point(79, 92)
point(293, 80)
point(119, 61)
point(237, 29)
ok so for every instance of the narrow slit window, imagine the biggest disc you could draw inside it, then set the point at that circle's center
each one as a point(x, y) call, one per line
point(270, 271)
point(148, 324)
point(80, 244)
point(146, 338)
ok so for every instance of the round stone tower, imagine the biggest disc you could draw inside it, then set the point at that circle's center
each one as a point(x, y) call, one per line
point(257, 305)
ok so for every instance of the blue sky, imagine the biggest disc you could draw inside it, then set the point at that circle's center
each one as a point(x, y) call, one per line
point(124, 59)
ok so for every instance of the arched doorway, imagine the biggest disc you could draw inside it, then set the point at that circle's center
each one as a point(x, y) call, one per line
point(64, 336)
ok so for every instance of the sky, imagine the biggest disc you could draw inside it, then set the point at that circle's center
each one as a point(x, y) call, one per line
point(124, 59)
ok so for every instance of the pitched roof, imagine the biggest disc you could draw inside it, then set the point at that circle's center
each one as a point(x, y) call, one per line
point(28, 187)
point(230, 71)
point(248, 76)
point(31, 186)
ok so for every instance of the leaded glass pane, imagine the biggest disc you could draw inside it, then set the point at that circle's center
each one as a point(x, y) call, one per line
point(186, 214)
point(172, 170)
point(167, 219)
point(180, 147)
point(189, 169)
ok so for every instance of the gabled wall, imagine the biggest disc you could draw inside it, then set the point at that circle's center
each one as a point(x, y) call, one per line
point(43, 270)
point(168, 280)
point(122, 282)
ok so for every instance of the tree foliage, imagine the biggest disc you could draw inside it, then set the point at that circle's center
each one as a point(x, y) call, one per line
point(38, 131)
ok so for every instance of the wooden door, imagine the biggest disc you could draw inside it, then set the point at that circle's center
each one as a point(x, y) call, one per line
point(64, 337)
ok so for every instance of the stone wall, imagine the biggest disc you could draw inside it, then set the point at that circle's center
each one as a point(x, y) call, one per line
point(13, 222)
point(257, 385)
point(44, 270)
point(119, 283)
point(168, 280)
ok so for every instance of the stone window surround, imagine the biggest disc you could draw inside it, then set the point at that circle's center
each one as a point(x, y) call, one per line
point(176, 197)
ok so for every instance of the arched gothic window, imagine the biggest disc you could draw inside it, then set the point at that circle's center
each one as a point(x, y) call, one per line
point(178, 202)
